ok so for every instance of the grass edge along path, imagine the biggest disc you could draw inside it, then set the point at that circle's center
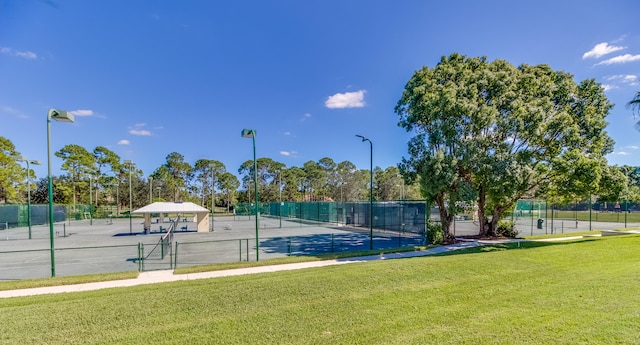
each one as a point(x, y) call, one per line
point(562, 292)
point(94, 278)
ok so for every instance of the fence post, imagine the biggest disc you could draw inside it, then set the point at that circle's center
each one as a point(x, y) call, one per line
point(175, 257)
point(332, 243)
point(240, 247)
point(139, 258)
point(289, 245)
point(247, 242)
point(142, 256)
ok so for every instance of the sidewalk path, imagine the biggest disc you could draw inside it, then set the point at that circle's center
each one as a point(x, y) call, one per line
point(154, 277)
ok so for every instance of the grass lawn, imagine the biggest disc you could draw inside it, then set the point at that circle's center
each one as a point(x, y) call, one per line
point(595, 216)
point(542, 293)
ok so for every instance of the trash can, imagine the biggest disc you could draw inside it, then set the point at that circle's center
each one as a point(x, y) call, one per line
point(540, 221)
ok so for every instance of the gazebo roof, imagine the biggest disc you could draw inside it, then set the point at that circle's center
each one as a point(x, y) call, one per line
point(172, 207)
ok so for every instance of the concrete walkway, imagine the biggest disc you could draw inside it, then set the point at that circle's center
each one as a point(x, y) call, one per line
point(154, 277)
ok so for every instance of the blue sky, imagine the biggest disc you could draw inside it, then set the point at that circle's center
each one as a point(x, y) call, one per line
point(147, 78)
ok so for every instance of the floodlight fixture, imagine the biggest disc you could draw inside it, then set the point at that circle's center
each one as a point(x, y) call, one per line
point(370, 188)
point(251, 133)
point(62, 116)
point(28, 161)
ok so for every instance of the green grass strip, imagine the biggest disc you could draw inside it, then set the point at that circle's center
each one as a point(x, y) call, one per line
point(71, 280)
point(575, 292)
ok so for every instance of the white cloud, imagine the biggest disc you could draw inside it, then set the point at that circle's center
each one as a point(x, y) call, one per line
point(622, 153)
point(305, 117)
point(620, 59)
point(13, 111)
point(288, 153)
point(27, 55)
point(601, 49)
point(632, 147)
point(625, 78)
point(630, 79)
point(82, 112)
point(608, 87)
point(22, 54)
point(346, 100)
point(141, 124)
point(141, 132)
point(124, 142)
point(287, 133)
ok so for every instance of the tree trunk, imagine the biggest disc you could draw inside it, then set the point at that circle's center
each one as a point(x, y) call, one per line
point(446, 219)
point(482, 220)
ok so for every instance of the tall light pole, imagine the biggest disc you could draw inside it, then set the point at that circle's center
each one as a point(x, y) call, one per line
point(130, 164)
point(25, 159)
point(251, 133)
point(626, 205)
point(158, 189)
point(150, 189)
point(90, 202)
point(213, 194)
point(118, 198)
point(62, 116)
point(370, 189)
point(280, 190)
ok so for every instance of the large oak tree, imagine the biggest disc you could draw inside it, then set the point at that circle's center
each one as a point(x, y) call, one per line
point(502, 131)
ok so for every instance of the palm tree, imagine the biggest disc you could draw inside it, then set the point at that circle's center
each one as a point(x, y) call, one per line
point(634, 104)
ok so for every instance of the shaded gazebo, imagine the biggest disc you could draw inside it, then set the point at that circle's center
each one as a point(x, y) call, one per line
point(179, 208)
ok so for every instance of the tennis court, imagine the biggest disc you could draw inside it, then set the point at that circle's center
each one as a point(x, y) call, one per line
point(102, 246)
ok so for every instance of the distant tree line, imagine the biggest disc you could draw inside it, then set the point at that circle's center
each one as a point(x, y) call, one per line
point(177, 180)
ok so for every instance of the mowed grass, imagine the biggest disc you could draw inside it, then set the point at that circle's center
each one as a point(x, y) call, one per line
point(579, 292)
point(598, 216)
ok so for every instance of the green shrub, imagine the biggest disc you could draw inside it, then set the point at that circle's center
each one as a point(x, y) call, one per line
point(434, 233)
point(507, 228)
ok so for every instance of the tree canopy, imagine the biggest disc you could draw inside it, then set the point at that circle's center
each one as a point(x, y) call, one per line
point(495, 133)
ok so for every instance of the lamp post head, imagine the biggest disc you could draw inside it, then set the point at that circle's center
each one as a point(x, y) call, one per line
point(363, 138)
point(25, 159)
point(248, 133)
point(60, 115)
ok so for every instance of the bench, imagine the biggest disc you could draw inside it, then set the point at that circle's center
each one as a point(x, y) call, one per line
point(184, 228)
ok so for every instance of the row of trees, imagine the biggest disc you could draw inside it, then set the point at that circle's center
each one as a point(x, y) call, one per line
point(107, 176)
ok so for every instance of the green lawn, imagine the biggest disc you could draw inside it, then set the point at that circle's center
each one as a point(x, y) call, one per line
point(595, 216)
point(542, 293)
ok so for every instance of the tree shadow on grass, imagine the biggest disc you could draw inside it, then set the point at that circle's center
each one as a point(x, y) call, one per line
point(523, 244)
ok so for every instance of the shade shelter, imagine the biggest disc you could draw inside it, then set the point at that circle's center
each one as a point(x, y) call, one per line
point(178, 208)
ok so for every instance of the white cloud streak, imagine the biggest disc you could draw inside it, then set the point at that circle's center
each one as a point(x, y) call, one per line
point(620, 59)
point(601, 49)
point(124, 142)
point(140, 132)
point(288, 153)
point(82, 112)
point(346, 100)
point(29, 55)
